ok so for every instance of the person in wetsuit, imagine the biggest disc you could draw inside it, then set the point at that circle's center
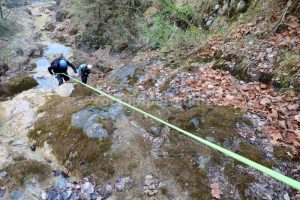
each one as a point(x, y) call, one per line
point(60, 65)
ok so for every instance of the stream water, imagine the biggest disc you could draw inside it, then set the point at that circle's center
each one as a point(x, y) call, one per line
point(41, 74)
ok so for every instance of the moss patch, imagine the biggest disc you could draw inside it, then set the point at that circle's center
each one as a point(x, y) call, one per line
point(281, 152)
point(240, 180)
point(80, 154)
point(19, 171)
point(181, 165)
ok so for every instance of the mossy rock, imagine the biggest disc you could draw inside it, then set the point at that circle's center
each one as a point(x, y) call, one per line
point(21, 83)
point(17, 85)
point(18, 172)
point(66, 140)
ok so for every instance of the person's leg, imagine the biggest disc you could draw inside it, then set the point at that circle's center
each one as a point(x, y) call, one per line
point(60, 79)
point(66, 78)
point(84, 79)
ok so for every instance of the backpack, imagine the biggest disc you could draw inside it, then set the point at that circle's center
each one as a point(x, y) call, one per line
point(55, 63)
point(80, 68)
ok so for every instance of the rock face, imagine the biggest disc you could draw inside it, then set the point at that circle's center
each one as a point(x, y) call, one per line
point(89, 119)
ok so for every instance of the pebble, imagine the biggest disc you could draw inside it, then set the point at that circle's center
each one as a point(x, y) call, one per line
point(87, 187)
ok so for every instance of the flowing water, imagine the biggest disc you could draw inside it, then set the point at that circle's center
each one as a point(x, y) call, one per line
point(42, 76)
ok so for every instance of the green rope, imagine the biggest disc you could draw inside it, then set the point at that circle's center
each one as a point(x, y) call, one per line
point(289, 181)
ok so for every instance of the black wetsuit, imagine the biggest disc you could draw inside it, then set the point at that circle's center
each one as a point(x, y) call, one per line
point(85, 71)
point(55, 68)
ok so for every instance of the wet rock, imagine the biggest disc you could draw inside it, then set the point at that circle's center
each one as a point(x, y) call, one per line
point(64, 90)
point(60, 16)
point(20, 52)
point(241, 6)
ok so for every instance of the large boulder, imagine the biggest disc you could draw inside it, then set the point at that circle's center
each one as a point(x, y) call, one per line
point(93, 121)
point(16, 85)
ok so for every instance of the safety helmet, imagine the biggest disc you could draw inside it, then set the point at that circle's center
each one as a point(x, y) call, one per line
point(63, 64)
point(89, 66)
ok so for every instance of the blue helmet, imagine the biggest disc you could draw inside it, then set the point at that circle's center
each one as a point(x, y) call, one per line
point(63, 64)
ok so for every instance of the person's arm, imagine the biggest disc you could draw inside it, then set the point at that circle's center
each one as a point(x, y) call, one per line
point(50, 70)
point(72, 66)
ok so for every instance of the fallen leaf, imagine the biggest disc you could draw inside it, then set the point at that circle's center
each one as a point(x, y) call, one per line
point(215, 190)
point(265, 101)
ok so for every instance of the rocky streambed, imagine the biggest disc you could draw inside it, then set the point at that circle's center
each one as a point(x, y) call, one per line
point(69, 143)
